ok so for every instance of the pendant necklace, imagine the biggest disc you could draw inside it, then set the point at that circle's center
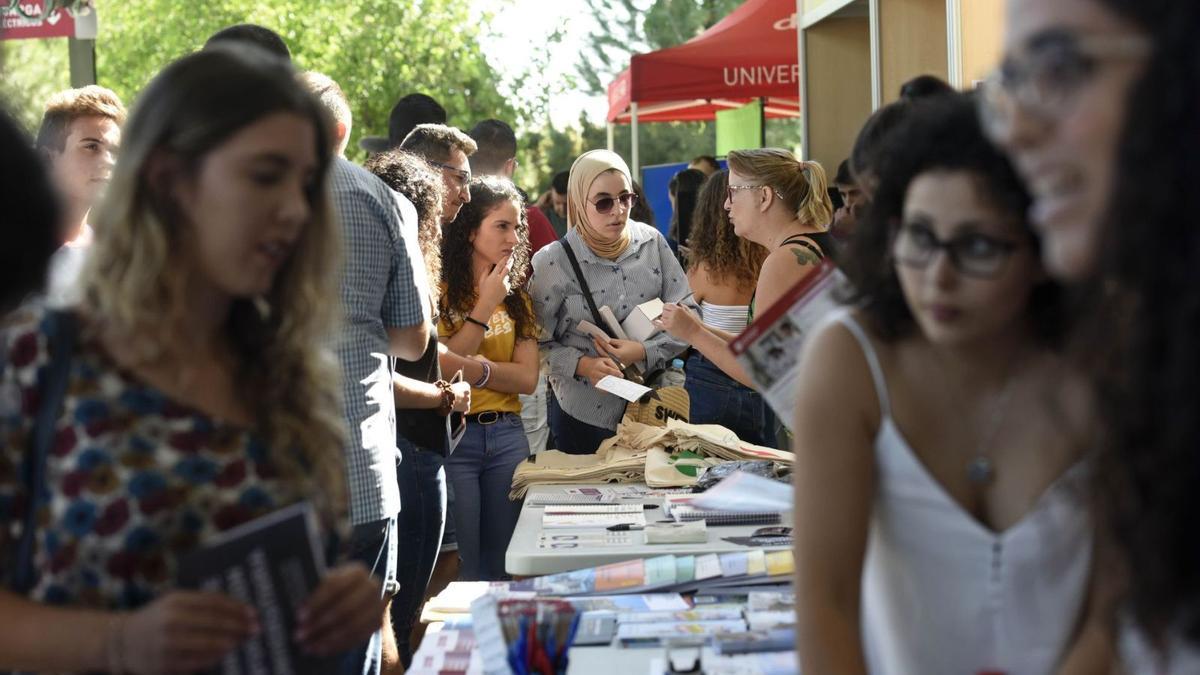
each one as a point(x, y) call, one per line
point(981, 470)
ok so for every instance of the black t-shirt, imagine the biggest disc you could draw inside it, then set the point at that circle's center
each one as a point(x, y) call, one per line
point(425, 429)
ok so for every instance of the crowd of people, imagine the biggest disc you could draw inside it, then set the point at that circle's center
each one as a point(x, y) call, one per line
point(212, 314)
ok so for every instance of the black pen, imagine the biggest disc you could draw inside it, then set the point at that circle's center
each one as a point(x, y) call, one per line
point(625, 527)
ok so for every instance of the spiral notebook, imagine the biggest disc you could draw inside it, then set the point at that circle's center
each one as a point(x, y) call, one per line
point(687, 513)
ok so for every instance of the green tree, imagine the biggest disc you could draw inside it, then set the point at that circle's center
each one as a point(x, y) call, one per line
point(377, 50)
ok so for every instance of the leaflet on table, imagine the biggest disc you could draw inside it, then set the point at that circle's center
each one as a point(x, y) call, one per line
point(726, 613)
point(560, 541)
point(769, 348)
point(743, 491)
point(635, 634)
point(648, 602)
point(559, 509)
point(601, 520)
point(770, 663)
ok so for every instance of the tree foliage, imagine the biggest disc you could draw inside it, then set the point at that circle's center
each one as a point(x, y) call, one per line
point(377, 50)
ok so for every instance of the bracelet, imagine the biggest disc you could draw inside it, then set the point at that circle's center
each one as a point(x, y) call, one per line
point(487, 375)
point(447, 403)
point(114, 647)
point(470, 319)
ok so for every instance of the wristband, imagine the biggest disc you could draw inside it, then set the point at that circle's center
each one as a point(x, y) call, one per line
point(487, 375)
point(447, 403)
point(477, 322)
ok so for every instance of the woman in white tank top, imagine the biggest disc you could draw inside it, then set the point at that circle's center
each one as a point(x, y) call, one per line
point(722, 271)
point(941, 520)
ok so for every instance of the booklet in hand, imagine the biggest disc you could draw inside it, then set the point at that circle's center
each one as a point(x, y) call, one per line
point(272, 563)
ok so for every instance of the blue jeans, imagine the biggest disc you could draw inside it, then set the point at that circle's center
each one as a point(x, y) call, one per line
point(481, 471)
point(717, 398)
point(374, 545)
point(571, 435)
point(419, 534)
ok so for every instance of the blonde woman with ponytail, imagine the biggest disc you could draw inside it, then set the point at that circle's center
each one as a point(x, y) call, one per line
point(781, 203)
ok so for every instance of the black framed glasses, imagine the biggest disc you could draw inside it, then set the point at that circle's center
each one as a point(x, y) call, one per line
point(1047, 77)
point(973, 254)
point(604, 205)
point(462, 177)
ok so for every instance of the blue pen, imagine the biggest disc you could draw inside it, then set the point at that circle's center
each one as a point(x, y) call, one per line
point(560, 662)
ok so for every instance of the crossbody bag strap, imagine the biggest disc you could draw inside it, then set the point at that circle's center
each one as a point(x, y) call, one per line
point(587, 292)
point(62, 333)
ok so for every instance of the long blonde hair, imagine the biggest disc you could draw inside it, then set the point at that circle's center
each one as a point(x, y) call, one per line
point(134, 283)
point(801, 186)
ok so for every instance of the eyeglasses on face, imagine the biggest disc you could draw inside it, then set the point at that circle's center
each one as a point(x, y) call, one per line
point(975, 255)
point(733, 189)
point(604, 205)
point(1046, 79)
point(463, 178)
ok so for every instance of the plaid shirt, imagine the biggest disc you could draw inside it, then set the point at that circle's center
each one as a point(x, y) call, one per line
point(382, 287)
point(644, 271)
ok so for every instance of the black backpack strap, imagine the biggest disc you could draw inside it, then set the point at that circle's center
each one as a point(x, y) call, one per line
point(61, 331)
point(587, 292)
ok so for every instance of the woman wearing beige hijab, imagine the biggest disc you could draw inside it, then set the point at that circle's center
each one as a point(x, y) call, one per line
point(624, 264)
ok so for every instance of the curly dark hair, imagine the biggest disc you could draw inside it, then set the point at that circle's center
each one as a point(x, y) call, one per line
point(458, 298)
point(412, 177)
point(1142, 319)
point(713, 242)
point(938, 134)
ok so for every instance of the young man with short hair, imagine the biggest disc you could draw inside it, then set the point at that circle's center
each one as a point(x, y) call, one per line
point(78, 139)
point(330, 94)
point(446, 149)
point(497, 156)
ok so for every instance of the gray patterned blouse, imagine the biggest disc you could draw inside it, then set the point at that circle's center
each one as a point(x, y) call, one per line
point(646, 270)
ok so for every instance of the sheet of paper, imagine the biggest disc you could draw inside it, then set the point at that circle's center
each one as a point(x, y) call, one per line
point(630, 391)
point(746, 492)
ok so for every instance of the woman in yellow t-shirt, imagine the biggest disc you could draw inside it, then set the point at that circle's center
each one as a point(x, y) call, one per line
point(487, 316)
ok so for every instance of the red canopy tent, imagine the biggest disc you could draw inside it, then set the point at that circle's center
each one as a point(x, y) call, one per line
point(750, 54)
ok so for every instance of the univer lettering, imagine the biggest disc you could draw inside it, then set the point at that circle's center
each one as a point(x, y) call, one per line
point(780, 74)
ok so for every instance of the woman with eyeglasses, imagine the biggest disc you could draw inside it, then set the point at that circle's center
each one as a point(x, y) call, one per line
point(941, 508)
point(722, 271)
point(623, 263)
point(782, 204)
point(1098, 103)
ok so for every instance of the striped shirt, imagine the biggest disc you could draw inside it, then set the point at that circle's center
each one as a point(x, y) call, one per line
point(380, 290)
point(644, 271)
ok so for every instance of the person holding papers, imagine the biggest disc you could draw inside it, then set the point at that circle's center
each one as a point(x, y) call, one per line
point(941, 480)
point(486, 317)
point(781, 203)
point(623, 263)
point(188, 392)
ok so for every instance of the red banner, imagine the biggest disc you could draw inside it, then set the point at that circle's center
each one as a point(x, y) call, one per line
point(26, 21)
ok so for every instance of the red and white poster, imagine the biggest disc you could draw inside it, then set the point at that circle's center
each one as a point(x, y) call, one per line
point(28, 19)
